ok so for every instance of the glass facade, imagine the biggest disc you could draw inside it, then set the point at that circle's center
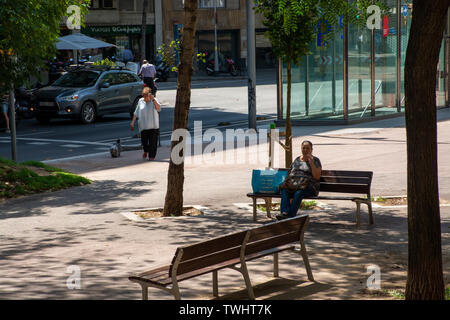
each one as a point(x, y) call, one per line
point(357, 74)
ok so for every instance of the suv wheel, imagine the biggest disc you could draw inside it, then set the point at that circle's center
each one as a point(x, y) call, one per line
point(88, 113)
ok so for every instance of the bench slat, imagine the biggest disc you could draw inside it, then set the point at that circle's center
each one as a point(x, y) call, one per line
point(345, 180)
point(276, 229)
point(203, 261)
point(344, 188)
point(213, 245)
point(269, 243)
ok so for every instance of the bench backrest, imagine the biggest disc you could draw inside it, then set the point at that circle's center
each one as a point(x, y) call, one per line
point(345, 181)
point(276, 234)
point(219, 250)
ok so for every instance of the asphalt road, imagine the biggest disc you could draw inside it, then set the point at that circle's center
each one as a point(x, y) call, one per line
point(215, 102)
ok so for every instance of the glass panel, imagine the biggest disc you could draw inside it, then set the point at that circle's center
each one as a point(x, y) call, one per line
point(359, 89)
point(324, 99)
point(406, 18)
point(297, 90)
point(440, 85)
point(326, 78)
point(386, 62)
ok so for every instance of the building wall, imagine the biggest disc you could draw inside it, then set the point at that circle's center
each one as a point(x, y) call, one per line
point(233, 17)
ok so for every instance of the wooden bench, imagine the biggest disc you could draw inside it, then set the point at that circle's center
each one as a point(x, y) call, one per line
point(227, 252)
point(336, 181)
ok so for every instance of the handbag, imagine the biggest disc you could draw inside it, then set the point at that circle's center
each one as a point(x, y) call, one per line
point(294, 183)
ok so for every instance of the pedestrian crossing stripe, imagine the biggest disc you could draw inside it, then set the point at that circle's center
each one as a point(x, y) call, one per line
point(72, 145)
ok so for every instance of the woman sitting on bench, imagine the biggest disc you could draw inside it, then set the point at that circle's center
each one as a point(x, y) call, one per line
point(303, 180)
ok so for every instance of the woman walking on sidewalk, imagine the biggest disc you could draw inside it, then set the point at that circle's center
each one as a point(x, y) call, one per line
point(147, 111)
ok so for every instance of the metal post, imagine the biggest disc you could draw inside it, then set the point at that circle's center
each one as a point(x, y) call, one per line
point(279, 89)
point(399, 56)
point(12, 122)
point(359, 71)
point(333, 88)
point(251, 65)
point(216, 57)
point(307, 85)
point(447, 60)
point(372, 73)
point(345, 61)
point(158, 24)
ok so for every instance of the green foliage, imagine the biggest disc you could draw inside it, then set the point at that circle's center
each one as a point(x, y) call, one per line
point(105, 62)
point(305, 205)
point(28, 33)
point(447, 293)
point(169, 53)
point(20, 179)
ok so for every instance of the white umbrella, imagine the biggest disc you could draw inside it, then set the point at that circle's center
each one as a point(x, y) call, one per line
point(78, 41)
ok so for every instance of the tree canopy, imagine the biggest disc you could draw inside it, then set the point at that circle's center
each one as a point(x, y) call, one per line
point(28, 33)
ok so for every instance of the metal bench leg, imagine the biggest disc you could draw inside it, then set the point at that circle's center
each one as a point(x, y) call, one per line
point(144, 292)
point(369, 207)
point(248, 283)
point(243, 270)
point(304, 254)
point(275, 265)
point(254, 209)
point(268, 202)
point(358, 214)
point(215, 284)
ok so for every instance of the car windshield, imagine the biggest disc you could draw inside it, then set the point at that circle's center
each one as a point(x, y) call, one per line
point(78, 79)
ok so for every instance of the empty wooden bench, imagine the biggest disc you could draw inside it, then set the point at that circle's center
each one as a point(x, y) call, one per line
point(336, 181)
point(227, 252)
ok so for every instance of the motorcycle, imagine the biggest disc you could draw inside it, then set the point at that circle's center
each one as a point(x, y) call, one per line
point(26, 102)
point(162, 70)
point(228, 67)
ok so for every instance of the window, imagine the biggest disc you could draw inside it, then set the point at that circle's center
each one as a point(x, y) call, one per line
point(107, 4)
point(111, 78)
point(205, 4)
point(103, 4)
point(126, 77)
point(210, 3)
point(127, 5)
point(78, 79)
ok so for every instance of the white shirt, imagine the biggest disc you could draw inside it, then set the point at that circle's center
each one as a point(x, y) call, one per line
point(148, 70)
point(147, 114)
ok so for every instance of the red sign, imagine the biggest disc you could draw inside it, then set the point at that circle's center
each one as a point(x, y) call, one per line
point(385, 26)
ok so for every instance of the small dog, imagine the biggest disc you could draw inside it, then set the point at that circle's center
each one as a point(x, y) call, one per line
point(115, 149)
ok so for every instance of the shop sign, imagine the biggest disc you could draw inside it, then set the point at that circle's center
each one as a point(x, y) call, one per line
point(115, 30)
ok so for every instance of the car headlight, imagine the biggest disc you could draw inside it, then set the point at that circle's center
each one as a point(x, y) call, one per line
point(69, 98)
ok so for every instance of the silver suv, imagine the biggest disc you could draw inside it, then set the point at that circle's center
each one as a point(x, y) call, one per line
point(88, 93)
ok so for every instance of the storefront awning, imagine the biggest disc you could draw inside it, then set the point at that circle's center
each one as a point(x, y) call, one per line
point(79, 41)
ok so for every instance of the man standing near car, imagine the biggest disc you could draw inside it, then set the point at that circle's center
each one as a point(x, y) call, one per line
point(147, 111)
point(148, 72)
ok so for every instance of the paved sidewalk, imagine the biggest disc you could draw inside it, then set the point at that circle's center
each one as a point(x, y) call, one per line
point(42, 235)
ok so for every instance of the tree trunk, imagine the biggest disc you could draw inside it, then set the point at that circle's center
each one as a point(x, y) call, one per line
point(425, 277)
point(288, 151)
point(175, 179)
point(143, 31)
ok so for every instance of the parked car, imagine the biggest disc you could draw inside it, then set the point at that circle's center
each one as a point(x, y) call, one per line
point(88, 93)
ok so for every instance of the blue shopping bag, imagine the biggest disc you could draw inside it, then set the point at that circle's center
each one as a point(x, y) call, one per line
point(267, 181)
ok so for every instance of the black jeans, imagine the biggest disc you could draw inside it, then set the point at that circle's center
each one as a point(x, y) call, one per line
point(149, 82)
point(149, 139)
